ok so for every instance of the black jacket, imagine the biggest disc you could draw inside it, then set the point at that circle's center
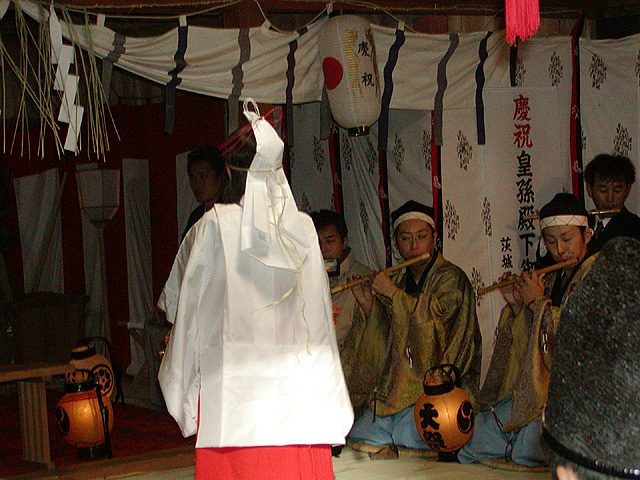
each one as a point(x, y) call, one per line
point(624, 224)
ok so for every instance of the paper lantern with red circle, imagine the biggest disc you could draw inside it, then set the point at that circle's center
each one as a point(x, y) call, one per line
point(348, 55)
point(443, 413)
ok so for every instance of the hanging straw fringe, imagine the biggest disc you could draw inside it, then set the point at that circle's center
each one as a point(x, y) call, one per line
point(37, 88)
point(522, 18)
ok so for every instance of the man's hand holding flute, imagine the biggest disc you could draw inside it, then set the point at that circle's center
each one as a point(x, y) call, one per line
point(524, 289)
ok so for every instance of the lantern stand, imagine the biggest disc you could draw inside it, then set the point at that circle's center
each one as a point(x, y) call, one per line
point(358, 131)
point(99, 196)
point(104, 413)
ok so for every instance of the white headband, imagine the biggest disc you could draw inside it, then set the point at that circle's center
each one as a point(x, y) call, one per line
point(577, 220)
point(416, 216)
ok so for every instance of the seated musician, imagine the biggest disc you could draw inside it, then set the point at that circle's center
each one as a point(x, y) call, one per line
point(420, 317)
point(332, 235)
point(515, 389)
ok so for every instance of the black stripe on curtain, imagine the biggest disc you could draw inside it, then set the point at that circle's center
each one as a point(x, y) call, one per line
point(480, 79)
point(454, 40)
point(383, 135)
point(170, 103)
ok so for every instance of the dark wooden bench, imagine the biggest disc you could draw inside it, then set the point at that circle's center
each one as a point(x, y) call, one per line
point(32, 401)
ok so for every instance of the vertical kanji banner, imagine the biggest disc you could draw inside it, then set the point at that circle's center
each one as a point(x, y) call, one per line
point(490, 191)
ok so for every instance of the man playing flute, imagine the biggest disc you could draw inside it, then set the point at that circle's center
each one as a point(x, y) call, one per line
point(419, 317)
point(515, 389)
point(334, 244)
point(609, 179)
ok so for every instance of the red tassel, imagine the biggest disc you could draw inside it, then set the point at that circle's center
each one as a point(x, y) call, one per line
point(522, 18)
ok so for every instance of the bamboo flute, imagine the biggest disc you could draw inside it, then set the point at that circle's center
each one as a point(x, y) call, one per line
point(603, 213)
point(511, 280)
point(340, 288)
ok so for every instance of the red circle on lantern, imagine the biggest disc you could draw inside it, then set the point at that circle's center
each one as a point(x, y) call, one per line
point(332, 72)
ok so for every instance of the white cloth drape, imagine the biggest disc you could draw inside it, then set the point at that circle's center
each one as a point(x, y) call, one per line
point(36, 199)
point(135, 179)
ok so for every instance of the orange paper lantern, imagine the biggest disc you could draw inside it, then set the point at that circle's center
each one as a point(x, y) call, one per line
point(81, 422)
point(444, 414)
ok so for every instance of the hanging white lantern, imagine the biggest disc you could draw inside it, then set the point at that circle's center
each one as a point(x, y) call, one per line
point(99, 194)
point(348, 57)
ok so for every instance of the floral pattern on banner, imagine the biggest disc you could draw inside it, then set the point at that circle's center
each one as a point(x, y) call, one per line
point(597, 71)
point(371, 154)
point(556, 70)
point(397, 153)
point(305, 204)
point(477, 283)
point(623, 142)
point(486, 217)
point(426, 149)
point(347, 152)
point(451, 220)
point(521, 71)
point(318, 154)
point(292, 158)
point(364, 218)
point(464, 150)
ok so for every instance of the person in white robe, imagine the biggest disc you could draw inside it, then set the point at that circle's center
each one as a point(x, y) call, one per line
point(252, 359)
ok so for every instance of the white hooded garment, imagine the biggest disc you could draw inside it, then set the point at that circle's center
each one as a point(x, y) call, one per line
point(253, 336)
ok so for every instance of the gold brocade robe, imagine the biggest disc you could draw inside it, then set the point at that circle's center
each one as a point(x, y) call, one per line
point(385, 356)
point(520, 366)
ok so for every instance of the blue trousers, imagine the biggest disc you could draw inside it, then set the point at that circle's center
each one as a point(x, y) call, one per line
point(397, 429)
point(488, 441)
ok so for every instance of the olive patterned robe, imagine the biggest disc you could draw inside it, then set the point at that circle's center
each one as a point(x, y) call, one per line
point(521, 362)
point(385, 356)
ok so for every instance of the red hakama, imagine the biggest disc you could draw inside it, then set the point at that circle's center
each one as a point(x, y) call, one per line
point(289, 462)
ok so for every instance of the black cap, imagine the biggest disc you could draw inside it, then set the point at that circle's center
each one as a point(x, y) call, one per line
point(563, 209)
point(410, 207)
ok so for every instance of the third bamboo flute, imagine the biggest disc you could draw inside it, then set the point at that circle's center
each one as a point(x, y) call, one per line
point(340, 288)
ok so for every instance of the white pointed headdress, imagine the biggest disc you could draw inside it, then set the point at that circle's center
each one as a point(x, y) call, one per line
point(272, 230)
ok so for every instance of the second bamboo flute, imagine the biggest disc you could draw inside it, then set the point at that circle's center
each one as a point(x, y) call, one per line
point(340, 288)
point(511, 280)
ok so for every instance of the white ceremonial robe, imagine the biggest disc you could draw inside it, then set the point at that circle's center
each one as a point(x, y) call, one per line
point(263, 365)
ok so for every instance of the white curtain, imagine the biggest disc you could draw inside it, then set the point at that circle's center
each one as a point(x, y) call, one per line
point(309, 160)
point(137, 217)
point(37, 198)
point(609, 82)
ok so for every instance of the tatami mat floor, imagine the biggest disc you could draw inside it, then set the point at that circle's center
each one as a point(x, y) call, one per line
point(353, 465)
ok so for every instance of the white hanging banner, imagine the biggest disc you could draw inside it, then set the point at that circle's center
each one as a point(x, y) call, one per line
point(309, 161)
point(523, 144)
point(489, 190)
